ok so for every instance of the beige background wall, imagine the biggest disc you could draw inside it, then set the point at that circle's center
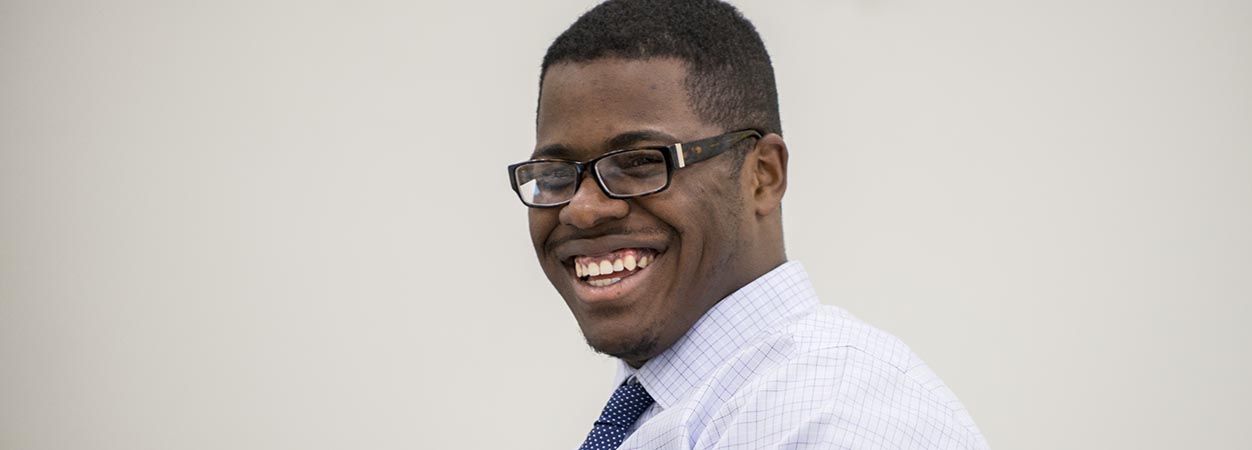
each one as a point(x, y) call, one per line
point(285, 225)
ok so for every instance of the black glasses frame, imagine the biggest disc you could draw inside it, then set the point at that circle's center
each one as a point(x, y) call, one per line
point(676, 156)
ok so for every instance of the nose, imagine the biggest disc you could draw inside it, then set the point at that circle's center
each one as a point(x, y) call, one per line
point(590, 207)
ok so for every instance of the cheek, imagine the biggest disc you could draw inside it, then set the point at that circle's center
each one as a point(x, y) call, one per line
point(715, 202)
point(541, 222)
point(712, 216)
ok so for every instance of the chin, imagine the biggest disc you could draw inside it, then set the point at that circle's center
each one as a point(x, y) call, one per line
point(634, 347)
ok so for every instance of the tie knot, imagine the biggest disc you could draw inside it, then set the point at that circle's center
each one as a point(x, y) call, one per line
point(629, 402)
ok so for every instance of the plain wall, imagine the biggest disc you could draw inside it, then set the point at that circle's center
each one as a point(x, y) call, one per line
point(287, 225)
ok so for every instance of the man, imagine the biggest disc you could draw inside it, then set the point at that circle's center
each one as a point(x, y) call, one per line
point(655, 192)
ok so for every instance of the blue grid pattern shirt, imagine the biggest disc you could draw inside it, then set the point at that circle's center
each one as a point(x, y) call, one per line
point(769, 367)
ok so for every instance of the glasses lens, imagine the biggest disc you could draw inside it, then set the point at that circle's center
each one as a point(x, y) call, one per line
point(546, 183)
point(635, 172)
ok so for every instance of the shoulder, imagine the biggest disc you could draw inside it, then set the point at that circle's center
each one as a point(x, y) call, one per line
point(837, 380)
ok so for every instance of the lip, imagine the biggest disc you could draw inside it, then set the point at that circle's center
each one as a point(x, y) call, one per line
point(566, 251)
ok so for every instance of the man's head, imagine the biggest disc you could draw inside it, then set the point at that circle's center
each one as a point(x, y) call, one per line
point(654, 73)
point(730, 78)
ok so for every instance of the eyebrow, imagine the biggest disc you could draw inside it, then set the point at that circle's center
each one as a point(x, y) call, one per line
point(620, 141)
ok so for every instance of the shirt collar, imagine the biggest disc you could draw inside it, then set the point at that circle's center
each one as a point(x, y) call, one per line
point(730, 325)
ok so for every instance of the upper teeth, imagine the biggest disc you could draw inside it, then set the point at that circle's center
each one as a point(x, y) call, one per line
point(610, 265)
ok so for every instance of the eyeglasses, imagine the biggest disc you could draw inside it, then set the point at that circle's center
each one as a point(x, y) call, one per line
point(621, 174)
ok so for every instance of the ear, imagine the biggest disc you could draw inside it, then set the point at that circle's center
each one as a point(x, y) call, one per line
point(767, 168)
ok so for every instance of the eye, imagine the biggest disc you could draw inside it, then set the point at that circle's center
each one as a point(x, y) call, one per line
point(556, 177)
point(557, 173)
point(643, 160)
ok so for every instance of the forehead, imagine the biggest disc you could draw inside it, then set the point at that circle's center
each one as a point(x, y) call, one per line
point(584, 106)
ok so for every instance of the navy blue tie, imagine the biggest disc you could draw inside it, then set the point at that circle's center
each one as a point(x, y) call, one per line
point(629, 402)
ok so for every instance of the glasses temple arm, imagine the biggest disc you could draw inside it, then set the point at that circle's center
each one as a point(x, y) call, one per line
point(696, 151)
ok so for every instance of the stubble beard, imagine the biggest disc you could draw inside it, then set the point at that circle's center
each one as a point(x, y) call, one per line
point(634, 348)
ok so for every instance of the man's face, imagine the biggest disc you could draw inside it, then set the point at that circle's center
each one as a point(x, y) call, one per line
point(688, 235)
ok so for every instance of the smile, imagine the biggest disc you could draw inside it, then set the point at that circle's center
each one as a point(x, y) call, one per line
point(609, 269)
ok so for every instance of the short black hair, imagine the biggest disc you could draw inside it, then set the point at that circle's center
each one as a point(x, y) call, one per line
point(730, 79)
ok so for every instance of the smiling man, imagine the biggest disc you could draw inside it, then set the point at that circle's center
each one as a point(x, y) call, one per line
point(655, 192)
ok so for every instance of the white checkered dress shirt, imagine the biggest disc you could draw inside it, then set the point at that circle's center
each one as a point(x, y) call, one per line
point(769, 367)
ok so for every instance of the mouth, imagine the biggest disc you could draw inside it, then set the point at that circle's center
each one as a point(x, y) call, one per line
point(611, 275)
point(608, 269)
point(612, 270)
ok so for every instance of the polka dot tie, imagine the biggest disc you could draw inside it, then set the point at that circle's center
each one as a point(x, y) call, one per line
point(629, 401)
